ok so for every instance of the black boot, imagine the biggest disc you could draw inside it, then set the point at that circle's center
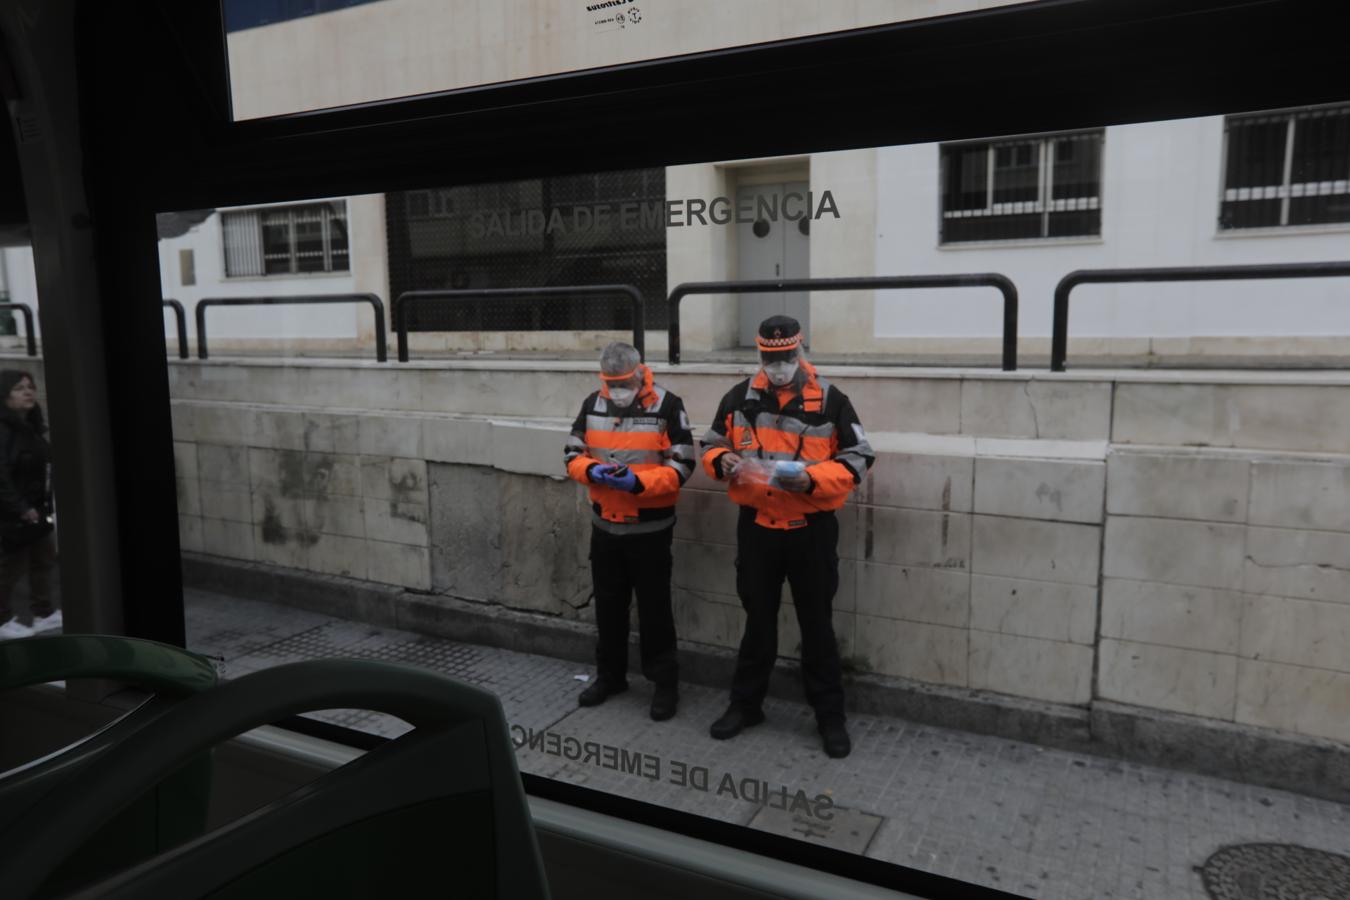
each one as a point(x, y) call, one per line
point(734, 720)
point(664, 701)
point(835, 737)
point(600, 691)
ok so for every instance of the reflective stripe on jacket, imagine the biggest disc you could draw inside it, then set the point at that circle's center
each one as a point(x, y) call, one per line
point(652, 438)
point(810, 421)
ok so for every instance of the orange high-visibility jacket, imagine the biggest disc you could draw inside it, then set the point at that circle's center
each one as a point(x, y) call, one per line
point(810, 421)
point(652, 438)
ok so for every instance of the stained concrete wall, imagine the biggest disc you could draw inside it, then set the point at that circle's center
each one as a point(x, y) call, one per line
point(1061, 539)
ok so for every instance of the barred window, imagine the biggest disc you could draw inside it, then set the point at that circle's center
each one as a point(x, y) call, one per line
point(1289, 168)
point(1041, 187)
point(284, 240)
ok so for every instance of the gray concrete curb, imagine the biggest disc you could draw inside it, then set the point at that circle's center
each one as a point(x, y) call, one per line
point(1317, 768)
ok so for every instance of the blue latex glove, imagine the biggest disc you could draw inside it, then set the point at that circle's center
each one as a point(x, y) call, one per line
point(625, 482)
point(600, 473)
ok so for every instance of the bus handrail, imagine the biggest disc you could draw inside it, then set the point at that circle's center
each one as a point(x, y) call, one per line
point(580, 290)
point(381, 352)
point(1059, 341)
point(879, 282)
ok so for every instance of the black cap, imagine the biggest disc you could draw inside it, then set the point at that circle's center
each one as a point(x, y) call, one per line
point(779, 327)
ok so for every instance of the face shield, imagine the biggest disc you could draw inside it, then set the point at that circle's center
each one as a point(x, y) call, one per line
point(780, 365)
point(623, 389)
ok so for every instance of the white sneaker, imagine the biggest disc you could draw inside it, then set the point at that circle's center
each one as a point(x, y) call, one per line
point(14, 629)
point(49, 623)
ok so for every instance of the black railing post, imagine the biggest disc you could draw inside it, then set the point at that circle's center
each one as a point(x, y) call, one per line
point(1059, 340)
point(376, 304)
point(199, 312)
point(381, 340)
point(401, 326)
point(1009, 291)
point(411, 298)
point(1059, 327)
point(29, 333)
point(673, 328)
point(881, 282)
point(181, 321)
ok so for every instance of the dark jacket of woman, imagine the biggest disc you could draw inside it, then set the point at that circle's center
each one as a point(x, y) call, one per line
point(25, 457)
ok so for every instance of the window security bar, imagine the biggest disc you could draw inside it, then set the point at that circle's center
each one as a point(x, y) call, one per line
point(884, 282)
point(1069, 204)
point(381, 351)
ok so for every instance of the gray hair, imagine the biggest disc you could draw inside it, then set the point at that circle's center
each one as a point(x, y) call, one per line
point(619, 358)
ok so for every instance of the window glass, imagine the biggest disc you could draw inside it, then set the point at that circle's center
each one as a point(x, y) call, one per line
point(1288, 169)
point(1029, 571)
point(1045, 187)
point(280, 50)
point(30, 584)
point(285, 240)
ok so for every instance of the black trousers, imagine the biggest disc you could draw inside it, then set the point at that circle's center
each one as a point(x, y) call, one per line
point(623, 565)
point(808, 559)
point(36, 560)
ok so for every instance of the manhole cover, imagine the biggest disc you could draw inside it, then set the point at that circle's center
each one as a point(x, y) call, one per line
point(1276, 872)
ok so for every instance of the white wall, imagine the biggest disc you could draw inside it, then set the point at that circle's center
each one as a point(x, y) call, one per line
point(339, 321)
point(1160, 208)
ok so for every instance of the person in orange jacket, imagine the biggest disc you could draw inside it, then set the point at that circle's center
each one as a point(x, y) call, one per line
point(791, 448)
point(631, 445)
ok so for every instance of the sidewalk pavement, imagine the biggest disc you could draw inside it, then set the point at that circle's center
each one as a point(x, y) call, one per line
point(1029, 820)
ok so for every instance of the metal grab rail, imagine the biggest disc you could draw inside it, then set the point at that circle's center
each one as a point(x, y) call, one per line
point(181, 317)
point(1059, 342)
point(381, 352)
point(585, 290)
point(27, 324)
point(983, 279)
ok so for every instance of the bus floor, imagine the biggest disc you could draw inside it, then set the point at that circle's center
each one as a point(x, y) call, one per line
point(1026, 819)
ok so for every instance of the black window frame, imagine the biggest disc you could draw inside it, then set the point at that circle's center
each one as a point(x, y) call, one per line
point(1280, 197)
point(333, 221)
point(1039, 210)
point(1165, 60)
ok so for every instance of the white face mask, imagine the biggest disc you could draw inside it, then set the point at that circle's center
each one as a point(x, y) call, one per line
point(781, 373)
point(622, 397)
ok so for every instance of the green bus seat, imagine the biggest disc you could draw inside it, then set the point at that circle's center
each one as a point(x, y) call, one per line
point(439, 811)
point(165, 814)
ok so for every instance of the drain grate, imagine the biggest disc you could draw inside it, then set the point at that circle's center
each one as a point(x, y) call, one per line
point(1276, 872)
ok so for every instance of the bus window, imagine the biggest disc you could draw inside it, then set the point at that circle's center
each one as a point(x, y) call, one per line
point(817, 558)
point(281, 52)
point(30, 584)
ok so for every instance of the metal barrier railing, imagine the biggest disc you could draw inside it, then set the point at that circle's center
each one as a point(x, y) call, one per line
point(27, 324)
point(181, 318)
point(381, 351)
point(1059, 342)
point(883, 282)
point(411, 298)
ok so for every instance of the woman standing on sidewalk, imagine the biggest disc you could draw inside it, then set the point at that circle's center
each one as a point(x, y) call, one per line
point(27, 544)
